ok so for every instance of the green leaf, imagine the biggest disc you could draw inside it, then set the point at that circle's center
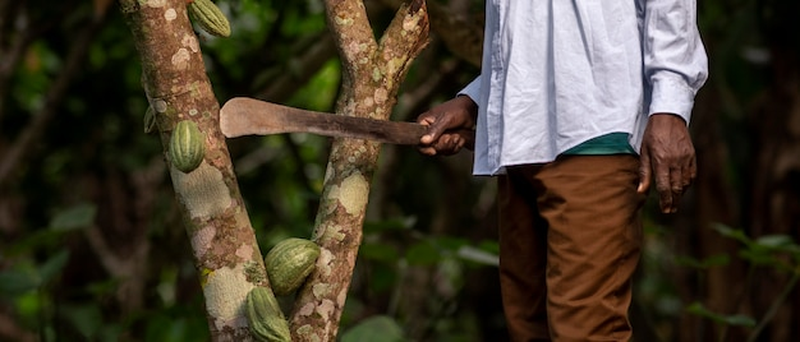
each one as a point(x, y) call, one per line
point(379, 252)
point(77, 217)
point(450, 243)
point(740, 320)
point(758, 256)
point(774, 241)
point(736, 234)
point(422, 253)
point(699, 309)
point(26, 276)
point(86, 319)
point(53, 266)
point(478, 256)
point(14, 282)
point(375, 329)
point(491, 246)
point(779, 243)
point(714, 260)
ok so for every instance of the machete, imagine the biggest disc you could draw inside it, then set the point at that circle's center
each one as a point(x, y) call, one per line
point(246, 116)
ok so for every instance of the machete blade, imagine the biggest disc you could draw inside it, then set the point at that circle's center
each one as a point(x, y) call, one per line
point(245, 116)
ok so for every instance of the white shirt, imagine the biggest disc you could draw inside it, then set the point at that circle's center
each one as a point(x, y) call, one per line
point(556, 73)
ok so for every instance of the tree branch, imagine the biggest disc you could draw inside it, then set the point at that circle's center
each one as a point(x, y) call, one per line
point(349, 25)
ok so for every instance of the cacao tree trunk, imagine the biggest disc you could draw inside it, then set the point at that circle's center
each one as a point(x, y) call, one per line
point(373, 72)
point(227, 257)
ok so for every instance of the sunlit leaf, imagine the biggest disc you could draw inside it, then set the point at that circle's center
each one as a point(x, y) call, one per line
point(375, 329)
point(740, 320)
point(478, 256)
point(29, 305)
point(779, 243)
point(774, 241)
point(736, 234)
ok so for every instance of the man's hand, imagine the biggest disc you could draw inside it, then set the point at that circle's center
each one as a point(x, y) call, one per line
point(668, 153)
point(450, 127)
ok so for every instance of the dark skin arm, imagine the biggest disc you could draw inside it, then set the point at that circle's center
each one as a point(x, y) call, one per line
point(450, 127)
point(668, 156)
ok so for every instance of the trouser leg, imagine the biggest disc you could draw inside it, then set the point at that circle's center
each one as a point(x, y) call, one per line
point(570, 239)
point(523, 252)
point(594, 240)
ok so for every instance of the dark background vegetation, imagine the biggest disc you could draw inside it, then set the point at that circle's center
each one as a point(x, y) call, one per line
point(92, 247)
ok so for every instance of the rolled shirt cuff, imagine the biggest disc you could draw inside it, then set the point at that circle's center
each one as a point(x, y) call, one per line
point(473, 90)
point(670, 94)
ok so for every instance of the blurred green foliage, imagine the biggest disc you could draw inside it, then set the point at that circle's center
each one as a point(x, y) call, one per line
point(426, 268)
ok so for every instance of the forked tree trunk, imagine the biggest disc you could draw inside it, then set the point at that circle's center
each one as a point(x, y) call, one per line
point(373, 72)
point(226, 253)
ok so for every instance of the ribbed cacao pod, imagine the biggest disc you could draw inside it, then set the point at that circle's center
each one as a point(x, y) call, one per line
point(289, 263)
point(265, 318)
point(207, 15)
point(187, 146)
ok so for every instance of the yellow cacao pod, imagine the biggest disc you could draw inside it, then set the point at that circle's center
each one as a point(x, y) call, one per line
point(265, 318)
point(289, 263)
point(207, 15)
point(187, 146)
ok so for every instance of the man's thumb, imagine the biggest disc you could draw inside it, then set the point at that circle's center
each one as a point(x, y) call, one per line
point(435, 130)
point(644, 171)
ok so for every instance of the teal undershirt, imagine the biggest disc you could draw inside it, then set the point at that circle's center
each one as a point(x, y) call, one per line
point(611, 143)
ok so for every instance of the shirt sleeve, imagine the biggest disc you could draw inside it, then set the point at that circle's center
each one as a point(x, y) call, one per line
point(473, 89)
point(675, 61)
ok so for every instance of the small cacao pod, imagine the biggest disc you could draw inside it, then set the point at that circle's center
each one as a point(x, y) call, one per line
point(187, 146)
point(289, 263)
point(264, 316)
point(207, 15)
point(149, 120)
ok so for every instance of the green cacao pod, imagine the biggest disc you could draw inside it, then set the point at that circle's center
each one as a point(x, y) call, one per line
point(265, 318)
point(187, 146)
point(207, 15)
point(289, 263)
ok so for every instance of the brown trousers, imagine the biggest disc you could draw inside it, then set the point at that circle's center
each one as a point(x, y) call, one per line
point(570, 239)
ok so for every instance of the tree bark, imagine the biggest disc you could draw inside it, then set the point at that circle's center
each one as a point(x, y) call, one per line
point(227, 256)
point(373, 72)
